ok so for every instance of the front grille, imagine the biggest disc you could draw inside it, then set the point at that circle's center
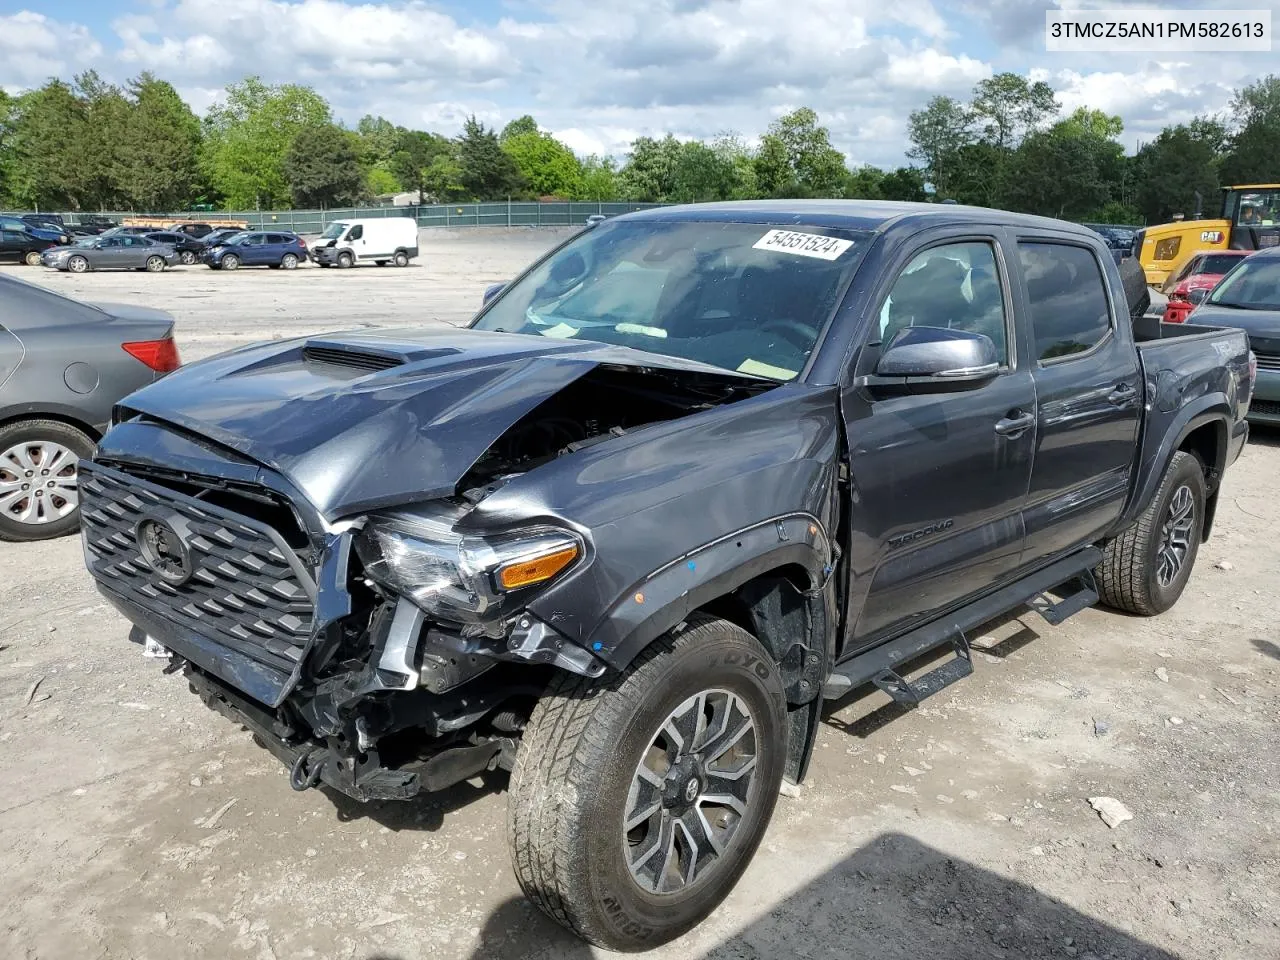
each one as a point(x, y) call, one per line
point(1268, 363)
point(1268, 408)
point(246, 588)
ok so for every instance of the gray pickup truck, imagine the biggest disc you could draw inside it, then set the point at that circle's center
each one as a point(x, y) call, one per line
point(696, 471)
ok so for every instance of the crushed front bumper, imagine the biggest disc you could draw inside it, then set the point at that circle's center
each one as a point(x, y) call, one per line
point(309, 764)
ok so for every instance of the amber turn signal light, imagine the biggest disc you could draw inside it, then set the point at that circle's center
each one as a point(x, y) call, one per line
point(524, 573)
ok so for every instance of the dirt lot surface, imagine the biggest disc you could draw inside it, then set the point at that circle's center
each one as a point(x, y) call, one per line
point(135, 823)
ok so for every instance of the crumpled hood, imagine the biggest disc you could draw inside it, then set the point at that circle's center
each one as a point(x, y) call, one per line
point(353, 438)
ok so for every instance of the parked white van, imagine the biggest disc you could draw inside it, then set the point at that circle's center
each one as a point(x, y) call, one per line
point(382, 240)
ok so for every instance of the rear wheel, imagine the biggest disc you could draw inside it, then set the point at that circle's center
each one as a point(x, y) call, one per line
point(77, 264)
point(39, 466)
point(289, 261)
point(230, 262)
point(637, 802)
point(155, 264)
point(1145, 569)
point(33, 258)
point(402, 259)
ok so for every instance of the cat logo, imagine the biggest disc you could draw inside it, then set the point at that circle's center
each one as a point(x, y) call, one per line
point(1210, 236)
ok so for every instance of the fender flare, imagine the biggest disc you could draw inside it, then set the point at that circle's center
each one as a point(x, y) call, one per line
point(664, 598)
point(1212, 408)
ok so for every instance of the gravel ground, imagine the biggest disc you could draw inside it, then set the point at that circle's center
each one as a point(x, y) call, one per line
point(137, 824)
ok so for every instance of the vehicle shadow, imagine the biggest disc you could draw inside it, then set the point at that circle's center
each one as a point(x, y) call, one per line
point(427, 812)
point(1267, 648)
point(1264, 435)
point(868, 723)
point(893, 899)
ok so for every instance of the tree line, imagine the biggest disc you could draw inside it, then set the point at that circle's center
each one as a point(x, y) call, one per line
point(1010, 146)
point(92, 145)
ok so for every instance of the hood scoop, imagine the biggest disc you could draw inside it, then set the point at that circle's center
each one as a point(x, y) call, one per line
point(366, 358)
point(356, 359)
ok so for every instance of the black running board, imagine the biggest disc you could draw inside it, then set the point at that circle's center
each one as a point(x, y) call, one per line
point(879, 665)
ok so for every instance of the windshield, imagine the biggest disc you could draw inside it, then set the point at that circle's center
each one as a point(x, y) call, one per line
point(333, 231)
point(1254, 284)
point(1259, 208)
point(1218, 263)
point(743, 296)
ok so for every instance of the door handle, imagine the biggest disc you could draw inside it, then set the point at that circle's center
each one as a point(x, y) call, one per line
point(1123, 393)
point(1014, 424)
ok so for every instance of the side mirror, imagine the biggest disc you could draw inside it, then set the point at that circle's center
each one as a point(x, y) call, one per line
point(492, 291)
point(1198, 294)
point(934, 359)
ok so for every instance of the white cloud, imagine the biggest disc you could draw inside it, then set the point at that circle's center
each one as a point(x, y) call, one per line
point(598, 74)
point(34, 48)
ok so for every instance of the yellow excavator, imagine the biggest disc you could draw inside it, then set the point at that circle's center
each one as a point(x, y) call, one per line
point(1250, 221)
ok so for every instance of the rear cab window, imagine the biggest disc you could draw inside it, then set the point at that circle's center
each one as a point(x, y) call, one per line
point(1070, 311)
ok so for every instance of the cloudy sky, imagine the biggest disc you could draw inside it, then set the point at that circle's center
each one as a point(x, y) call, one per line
point(600, 72)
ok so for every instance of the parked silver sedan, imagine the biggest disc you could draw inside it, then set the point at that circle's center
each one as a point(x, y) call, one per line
point(115, 252)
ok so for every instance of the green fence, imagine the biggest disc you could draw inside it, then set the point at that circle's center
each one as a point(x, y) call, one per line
point(513, 214)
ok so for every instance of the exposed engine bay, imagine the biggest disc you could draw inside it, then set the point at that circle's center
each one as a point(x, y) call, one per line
point(607, 402)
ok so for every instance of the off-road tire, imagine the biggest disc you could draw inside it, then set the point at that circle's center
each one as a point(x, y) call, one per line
point(579, 753)
point(1127, 576)
point(33, 431)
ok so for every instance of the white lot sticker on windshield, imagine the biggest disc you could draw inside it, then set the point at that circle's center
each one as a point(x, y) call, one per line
point(803, 244)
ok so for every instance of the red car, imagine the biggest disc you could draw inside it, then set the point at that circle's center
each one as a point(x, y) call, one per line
point(1200, 272)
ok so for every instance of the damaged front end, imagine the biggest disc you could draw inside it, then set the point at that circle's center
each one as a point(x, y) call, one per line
point(349, 652)
point(384, 652)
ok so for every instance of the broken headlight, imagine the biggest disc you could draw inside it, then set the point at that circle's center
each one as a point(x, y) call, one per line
point(461, 579)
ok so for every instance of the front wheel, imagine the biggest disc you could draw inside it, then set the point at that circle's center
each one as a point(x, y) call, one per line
point(637, 801)
point(345, 260)
point(187, 257)
point(77, 264)
point(1145, 569)
point(230, 262)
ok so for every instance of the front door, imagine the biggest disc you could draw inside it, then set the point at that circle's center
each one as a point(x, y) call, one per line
point(254, 249)
point(13, 246)
point(938, 480)
point(1089, 389)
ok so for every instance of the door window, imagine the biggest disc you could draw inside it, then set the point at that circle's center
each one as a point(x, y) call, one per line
point(11, 237)
point(956, 286)
point(356, 232)
point(1070, 312)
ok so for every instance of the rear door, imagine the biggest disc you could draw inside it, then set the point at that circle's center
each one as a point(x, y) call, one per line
point(1088, 387)
point(938, 480)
